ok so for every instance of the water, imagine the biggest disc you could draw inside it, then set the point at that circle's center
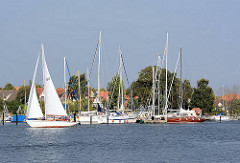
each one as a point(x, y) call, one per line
point(204, 142)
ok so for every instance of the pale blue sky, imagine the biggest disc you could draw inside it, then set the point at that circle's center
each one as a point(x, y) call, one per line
point(208, 31)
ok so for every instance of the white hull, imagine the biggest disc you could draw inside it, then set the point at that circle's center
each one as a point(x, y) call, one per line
point(50, 124)
point(223, 118)
point(89, 119)
point(113, 120)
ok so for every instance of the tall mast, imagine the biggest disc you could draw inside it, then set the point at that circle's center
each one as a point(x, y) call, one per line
point(153, 91)
point(118, 107)
point(180, 89)
point(88, 89)
point(79, 91)
point(166, 50)
point(99, 57)
point(158, 78)
point(121, 80)
point(65, 83)
point(43, 64)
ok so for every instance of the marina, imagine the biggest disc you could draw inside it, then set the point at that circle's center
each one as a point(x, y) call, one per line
point(120, 81)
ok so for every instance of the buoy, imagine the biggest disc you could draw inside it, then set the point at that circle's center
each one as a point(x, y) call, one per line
point(127, 121)
point(112, 121)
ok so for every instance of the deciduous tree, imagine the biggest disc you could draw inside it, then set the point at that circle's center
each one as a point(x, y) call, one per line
point(203, 96)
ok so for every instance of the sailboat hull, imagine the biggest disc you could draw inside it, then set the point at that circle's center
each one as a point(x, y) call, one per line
point(113, 120)
point(89, 119)
point(185, 119)
point(50, 124)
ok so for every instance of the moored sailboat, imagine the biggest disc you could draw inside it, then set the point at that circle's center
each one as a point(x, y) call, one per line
point(182, 115)
point(55, 115)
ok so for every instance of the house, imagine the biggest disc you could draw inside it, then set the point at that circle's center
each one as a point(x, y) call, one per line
point(17, 88)
point(40, 93)
point(8, 95)
point(229, 97)
point(104, 96)
point(60, 92)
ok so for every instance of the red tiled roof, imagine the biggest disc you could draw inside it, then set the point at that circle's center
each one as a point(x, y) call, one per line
point(230, 97)
point(104, 95)
point(60, 91)
point(17, 88)
point(39, 91)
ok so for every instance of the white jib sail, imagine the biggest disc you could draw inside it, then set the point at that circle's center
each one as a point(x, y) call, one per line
point(53, 105)
point(34, 110)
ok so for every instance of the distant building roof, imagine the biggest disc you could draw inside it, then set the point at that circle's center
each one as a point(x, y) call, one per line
point(230, 97)
point(17, 88)
point(60, 91)
point(39, 91)
point(9, 95)
point(104, 95)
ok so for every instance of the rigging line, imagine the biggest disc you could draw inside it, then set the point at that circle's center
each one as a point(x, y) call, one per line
point(94, 58)
point(112, 90)
point(173, 76)
point(127, 77)
point(124, 68)
point(72, 86)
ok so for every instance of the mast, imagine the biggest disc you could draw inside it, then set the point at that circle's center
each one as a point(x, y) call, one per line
point(88, 90)
point(99, 57)
point(121, 80)
point(153, 91)
point(180, 89)
point(118, 107)
point(79, 90)
point(43, 64)
point(65, 84)
point(158, 83)
point(166, 50)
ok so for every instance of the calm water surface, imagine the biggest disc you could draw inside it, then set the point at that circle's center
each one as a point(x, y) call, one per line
point(205, 142)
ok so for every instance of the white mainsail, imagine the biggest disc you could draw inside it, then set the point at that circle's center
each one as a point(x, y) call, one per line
point(34, 110)
point(53, 105)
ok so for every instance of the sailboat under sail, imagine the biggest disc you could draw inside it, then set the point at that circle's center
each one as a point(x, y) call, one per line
point(55, 115)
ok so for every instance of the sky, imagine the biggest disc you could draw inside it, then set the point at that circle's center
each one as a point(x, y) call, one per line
point(207, 31)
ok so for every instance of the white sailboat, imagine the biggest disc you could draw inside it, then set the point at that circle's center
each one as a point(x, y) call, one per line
point(55, 115)
point(7, 118)
point(92, 117)
point(119, 116)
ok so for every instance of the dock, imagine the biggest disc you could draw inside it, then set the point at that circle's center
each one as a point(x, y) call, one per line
point(155, 121)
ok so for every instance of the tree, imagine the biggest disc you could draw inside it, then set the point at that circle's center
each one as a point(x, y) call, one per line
point(187, 93)
point(233, 106)
point(203, 96)
point(142, 88)
point(74, 82)
point(9, 86)
point(113, 88)
point(85, 105)
point(13, 105)
point(21, 94)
